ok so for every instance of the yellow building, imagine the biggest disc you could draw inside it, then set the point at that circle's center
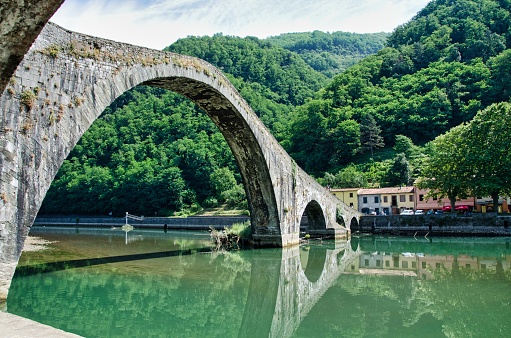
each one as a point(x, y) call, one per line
point(347, 195)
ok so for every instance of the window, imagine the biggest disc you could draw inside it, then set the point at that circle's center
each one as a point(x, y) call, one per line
point(351, 204)
point(402, 198)
point(378, 262)
point(366, 262)
point(404, 264)
point(410, 198)
point(437, 265)
point(386, 199)
point(376, 199)
point(364, 199)
point(351, 194)
point(423, 265)
point(434, 198)
point(414, 265)
point(421, 197)
point(387, 264)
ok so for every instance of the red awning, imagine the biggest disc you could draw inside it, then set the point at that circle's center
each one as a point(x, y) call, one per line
point(457, 208)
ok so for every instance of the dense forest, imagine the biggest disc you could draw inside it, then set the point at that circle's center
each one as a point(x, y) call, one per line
point(351, 109)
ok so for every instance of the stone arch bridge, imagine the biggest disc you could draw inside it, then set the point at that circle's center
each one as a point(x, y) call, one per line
point(67, 79)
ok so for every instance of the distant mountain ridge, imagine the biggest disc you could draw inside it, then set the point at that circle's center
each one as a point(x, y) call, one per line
point(331, 53)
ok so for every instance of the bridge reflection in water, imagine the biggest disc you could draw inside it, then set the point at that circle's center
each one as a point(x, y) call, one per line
point(365, 287)
point(267, 291)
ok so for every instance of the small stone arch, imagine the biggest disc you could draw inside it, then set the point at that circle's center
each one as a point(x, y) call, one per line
point(354, 224)
point(315, 216)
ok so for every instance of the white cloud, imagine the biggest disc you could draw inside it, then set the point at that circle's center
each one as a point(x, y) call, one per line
point(158, 23)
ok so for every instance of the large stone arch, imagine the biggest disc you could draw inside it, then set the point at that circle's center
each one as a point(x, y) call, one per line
point(75, 77)
point(64, 83)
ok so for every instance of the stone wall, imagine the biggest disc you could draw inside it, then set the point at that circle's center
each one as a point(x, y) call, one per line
point(475, 225)
point(192, 222)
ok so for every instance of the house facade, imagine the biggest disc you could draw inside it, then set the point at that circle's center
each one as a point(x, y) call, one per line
point(388, 201)
point(444, 204)
point(348, 195)
point(485, 204)
point(369, 201)
point(397, 199)
point(393, 200)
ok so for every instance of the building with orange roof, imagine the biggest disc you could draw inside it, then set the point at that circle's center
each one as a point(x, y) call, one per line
point(390, 201)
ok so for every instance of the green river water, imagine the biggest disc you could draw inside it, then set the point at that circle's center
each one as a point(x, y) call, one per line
point(149, 283)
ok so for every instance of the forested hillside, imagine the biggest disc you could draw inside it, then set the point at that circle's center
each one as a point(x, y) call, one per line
point(437, 71)
point(330, 53)
point(357, 127)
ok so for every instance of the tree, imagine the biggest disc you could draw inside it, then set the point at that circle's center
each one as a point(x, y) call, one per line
point(445, 171)
point(370, 137)
point(399, 172)
point(488, 137)
point(405, 145)
point(351, 177)
point(222, 180)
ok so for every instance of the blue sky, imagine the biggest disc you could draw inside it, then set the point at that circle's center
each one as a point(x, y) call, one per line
point(158, 23)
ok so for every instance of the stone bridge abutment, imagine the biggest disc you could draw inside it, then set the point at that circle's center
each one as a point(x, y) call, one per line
point(65, 82)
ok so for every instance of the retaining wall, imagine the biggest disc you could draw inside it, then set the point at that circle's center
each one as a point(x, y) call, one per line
point(193, 222)
point(444, 225)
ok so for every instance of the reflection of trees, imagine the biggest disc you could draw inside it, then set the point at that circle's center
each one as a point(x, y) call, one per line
point(175, 300)
point(469, 302)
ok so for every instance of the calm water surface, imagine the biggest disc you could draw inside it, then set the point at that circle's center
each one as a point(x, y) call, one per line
point(108, 283)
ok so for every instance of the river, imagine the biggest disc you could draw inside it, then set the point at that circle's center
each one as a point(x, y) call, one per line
point(112, 283)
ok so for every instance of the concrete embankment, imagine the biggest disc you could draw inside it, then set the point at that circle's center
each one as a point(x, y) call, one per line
point(194, 222)
point(15, 326)
point(441, 225)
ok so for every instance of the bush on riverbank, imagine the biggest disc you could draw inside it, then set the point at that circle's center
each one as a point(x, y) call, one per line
point(233, 238)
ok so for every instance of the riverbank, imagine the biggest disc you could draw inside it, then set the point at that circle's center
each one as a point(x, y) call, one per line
point(439, 225)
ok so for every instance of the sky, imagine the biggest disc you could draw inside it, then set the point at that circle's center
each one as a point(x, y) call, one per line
point(158, 23)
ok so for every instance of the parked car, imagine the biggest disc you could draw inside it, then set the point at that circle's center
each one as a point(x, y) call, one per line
point(439, 212)
point(419, 212)
point(406, 212)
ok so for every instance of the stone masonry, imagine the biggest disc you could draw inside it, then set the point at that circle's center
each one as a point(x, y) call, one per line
point(65, 82)
point(21, 22)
